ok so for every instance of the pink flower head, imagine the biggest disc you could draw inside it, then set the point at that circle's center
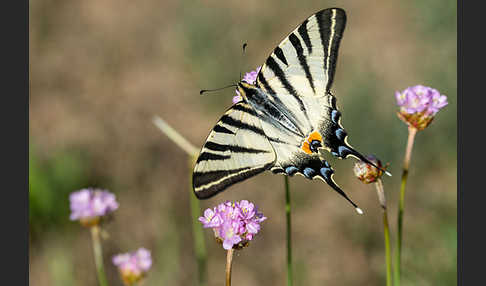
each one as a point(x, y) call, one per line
point(89, 205)
point(133, 266)
point(233, 223)
point(419, 104)
point(250, 77)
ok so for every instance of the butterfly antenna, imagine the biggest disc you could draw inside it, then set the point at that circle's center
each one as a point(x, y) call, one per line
point(242, 56)
point(216, 89)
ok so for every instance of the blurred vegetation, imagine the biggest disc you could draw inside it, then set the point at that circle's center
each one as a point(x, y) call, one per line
point(100, 70)
point(50, 182)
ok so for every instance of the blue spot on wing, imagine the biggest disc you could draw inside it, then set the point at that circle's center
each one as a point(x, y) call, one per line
point(326, 173)
point(309, 172)
point(291, 170)
point(341, 134)
point(344, 151)
point(335, 116)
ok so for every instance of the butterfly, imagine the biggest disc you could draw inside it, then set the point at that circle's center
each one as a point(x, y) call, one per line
point(287, 120)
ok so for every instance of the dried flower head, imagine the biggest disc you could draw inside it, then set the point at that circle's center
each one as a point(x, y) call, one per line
point(419, 104)
point(234, 223)
point(366, 172)
point(89, 205)
point(250, 77)
point(133, 266)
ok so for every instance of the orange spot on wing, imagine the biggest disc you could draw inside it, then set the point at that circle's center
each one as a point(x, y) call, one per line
point(306, 144)
point(306, 147)
point(315, 136)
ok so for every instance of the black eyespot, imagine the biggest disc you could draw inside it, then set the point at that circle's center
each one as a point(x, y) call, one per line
point(314, 145)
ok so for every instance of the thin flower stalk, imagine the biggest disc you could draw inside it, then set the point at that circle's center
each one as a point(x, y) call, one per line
point(412, 131)
point(198, 235)
point(368, 174)
point(98, 255)
point(289, 232)
point(386, 231)
point(229, 264)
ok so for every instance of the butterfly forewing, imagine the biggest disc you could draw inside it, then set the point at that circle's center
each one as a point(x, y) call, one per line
point(304, 62)
point(235, 150)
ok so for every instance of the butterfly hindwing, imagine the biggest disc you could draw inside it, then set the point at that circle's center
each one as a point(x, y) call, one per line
point(304, 62)
point(291, 135)
point(236, 149)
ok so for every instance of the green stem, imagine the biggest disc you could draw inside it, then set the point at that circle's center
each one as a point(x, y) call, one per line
point(289, 232)
point(197, 231)
point(229, 263)
point(98, 255)
point(406, 162)
point(386, 230)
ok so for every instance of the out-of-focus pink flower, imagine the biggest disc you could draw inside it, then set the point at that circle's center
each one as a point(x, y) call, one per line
point(133, 266)
point(89, 205)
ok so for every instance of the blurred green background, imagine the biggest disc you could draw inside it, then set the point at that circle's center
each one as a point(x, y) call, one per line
point(100, 70)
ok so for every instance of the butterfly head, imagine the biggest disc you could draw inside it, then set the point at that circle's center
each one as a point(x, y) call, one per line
point(245, 89)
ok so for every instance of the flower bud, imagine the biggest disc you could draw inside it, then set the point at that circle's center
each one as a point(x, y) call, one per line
point(367, 173)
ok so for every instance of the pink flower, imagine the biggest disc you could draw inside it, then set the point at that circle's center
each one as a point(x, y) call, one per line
point(419, 104)
point(88, 205)
point(250, 77)
point(234, 223)
point(133, 266)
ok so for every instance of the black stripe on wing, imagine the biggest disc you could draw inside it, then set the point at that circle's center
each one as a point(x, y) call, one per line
point(241, 125)
point(305, 36)
point(331, 27)
point(206, 156)
point(245, 108)
point(222, 129)
point(280, 55)
point(232, 148)
point(226, 119)
point(217, 181)
point(272, 64)
point(302, 60)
